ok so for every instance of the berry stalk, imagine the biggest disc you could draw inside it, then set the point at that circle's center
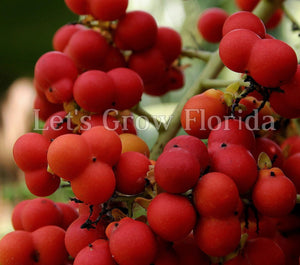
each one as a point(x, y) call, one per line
point(212, 69)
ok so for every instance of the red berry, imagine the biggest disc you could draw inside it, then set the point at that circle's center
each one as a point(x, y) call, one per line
point(87, 48)
point(132, 243)
point(235, 49)
point(136, 31)
point(97, 253)
point(95, 91)
point(216, 195)
point(271, 68)
point(193, 145)
point(130, 172)
point(274, 194)
point(17, 248)
point(40, 212)
point(244, 20)
point(68, 156)
point(55, 74)
point(264, 251)
point(48, 240)
point(63, 35)
point(129, 87)
point(177, 170)
point(95, 184)
point(169, 42)
point(108, 10)
point(210, 24)
point(79, 7)
point(104, 145)
point(172, 217)
point(203, 112)
point(236, 162)
point(232, 131)
point(218, 237)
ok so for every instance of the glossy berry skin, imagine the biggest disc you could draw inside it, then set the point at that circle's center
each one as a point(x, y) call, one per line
point(136, 31)
point(244, 20)
point(236, 162)
point(235, 49)
point(291, 91)
point(40, 212)
point(41, 183)
point(77, 238)
point(278, 68)
point(130, 172)
point(95, 184)
point(150, 65)
point(30, 154)
point(232, 131)
point(216, 195)
point(176, 170)
point(210, 24)
point(55, 74)
point(43, 108)
point(16, 215)
point(129, 87)
point(48, 240)
point(249, 5)
point(104, 145)
point(292, 170)
point(132, 243)
point(87, 48)
point(108, 10)
point(69, 214)
point(193, 145)
point(189, 253)
point(79, 7)
point(271, 148)
point(57, 124)
point(264, 251)
point(218, 237)
point(17, 248)
point(170, 216)
point(63, 35)
point(280, 105)
point(97, 253)
point(105, 120)
point(113, 59)
point(274, 194)
point(291, 145)
point(30, 151)
point(95, 91)
point(67, 159)
point(169, 42)
point(203, 112)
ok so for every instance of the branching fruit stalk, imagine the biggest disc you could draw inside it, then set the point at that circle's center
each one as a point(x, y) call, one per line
point(214, 65)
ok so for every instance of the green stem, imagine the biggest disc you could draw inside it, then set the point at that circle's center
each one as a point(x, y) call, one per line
point(138, 110)
point(199, 54)
point(218, 83)
point(211, 70)
point(266, 8)
point(298, 199)
point(214, 65)
point(290, 16)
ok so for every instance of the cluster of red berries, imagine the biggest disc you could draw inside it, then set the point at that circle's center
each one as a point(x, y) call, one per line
point(231, 201)
point(115, 41)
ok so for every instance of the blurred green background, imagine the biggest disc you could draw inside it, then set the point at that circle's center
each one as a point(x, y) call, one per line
point(26, 31)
